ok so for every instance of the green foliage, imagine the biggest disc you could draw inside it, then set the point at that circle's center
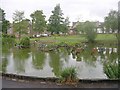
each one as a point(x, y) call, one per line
point(18, 24)
point(111, 21)
point(38, 21)
point(112, 71)
point(25, 42)
point(8, 39)
point(56, 20)
point(65, 25)
point(21, 27)
point(68, 74)
point(8, 36)
point(90, 31)
point(5, 23)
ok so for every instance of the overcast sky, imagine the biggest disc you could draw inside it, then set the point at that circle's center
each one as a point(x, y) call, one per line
point(75, 9)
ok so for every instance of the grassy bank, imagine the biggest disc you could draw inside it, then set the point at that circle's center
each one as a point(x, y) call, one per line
point(73, 39)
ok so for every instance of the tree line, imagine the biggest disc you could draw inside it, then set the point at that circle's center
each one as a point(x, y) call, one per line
point(55, 24)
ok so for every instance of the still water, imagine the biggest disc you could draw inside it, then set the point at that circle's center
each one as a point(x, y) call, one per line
point(89, 62)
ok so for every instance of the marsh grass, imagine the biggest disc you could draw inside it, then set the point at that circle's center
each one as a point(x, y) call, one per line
point(112, 71)
point(68, 75)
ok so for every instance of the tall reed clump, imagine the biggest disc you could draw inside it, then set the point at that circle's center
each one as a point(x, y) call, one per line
point(68, 75)
point(112, 71)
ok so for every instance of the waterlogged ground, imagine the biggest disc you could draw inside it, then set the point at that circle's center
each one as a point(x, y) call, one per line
point(89, 61)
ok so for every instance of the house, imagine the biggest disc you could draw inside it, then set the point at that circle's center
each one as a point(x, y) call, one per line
point(73, 28)
point(99, 27)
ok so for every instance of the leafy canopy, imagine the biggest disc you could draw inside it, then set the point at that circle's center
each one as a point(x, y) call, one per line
point(38, 21)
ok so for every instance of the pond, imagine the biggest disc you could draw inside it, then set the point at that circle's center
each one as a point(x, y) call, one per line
point(89, 61)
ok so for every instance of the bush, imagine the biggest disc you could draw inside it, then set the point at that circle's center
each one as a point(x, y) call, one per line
point(8, 39)
point(90, 31)
point(8, 36)
point(68, 75)
point(25, 42)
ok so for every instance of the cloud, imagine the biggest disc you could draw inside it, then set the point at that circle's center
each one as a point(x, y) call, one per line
point(83, 9)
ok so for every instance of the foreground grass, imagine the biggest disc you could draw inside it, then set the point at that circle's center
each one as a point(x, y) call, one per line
point(73, 39)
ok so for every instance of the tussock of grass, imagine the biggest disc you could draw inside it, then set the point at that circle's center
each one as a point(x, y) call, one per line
point(68, 75)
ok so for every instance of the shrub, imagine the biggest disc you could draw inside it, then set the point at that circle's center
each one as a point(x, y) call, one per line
point(68, 75)
point(8, 39)
point(90, 31)
point(25, 42)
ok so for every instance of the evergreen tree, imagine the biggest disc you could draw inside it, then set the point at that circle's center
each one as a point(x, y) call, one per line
point(56, 20)
point(4, 24)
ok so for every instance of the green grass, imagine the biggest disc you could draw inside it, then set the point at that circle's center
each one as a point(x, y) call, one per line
point(106, 37)
point(73, 39)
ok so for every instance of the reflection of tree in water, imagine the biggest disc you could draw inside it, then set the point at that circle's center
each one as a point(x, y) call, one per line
point(6, 50)
point(64, 53)
point(20, 55)
point(55, 62)
point(38, 59)
point(3, 64)
point(5, 53)
point(88, 54)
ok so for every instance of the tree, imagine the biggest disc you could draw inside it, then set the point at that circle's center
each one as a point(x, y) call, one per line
point(25, 26)
point(111, 21)
point(38, 21)
point(17, 23)
point(90, 31)
point(4, 23)
point(65, 25)
point(56, 20)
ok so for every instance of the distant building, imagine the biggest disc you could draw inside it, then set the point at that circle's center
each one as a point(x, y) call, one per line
point(99, 27)
point(73, 28)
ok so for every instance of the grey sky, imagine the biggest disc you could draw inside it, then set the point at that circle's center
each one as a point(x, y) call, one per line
point(75, 9)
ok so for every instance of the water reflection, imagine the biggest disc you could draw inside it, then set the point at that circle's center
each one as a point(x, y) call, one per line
point(55, 63)
point(6, 50)
point(90, 61)
point(38, 59)
point(4, 64)
point(19, 57)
